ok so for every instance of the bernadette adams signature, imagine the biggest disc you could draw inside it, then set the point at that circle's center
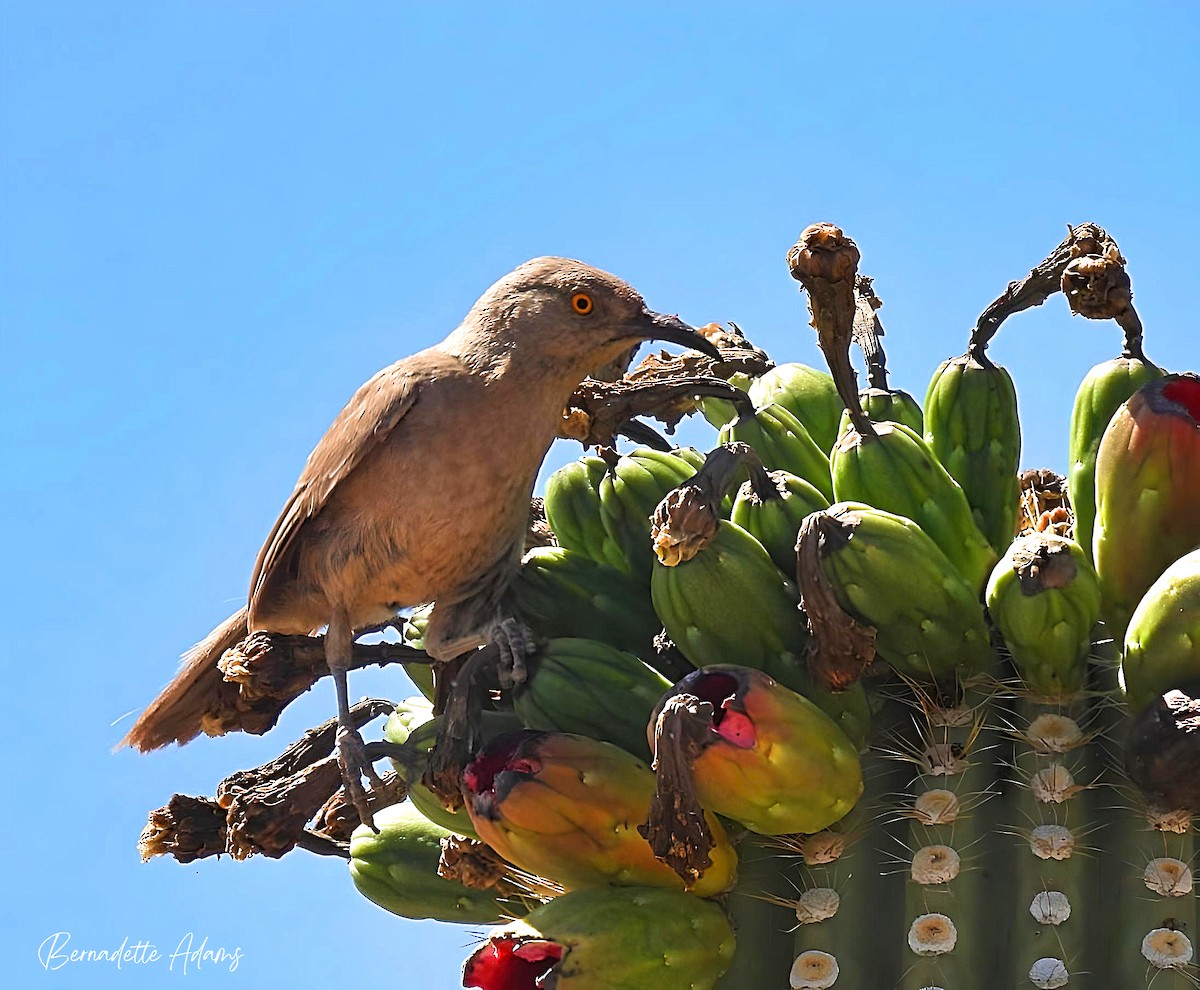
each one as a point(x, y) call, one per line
point(189, 955)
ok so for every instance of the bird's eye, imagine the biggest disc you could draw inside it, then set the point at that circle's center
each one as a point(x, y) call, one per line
point(582, 303)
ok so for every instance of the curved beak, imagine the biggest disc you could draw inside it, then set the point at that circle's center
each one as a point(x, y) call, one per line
point(657, 326)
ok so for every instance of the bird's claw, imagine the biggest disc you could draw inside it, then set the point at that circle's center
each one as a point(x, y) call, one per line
point(355, 765)
point(514, 640)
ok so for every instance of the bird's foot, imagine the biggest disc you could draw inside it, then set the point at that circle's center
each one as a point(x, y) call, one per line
point(355, 764)
point(515, 642)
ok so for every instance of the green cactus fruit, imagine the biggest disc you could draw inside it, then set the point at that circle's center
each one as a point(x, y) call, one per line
point(1147, 492)
point(572, 503)
point(718, 412)
point(783, 443)
point(628, 939)
point(560, 592)
point(771, 507)
point(771, 759)
point(414, 726)
point(888, 574)
point(397, 868)
point(971, 425)
point(629, 493)
point(413, 634)
point(1162, 644)
point(592, 689)
point(1101, 394)
point(886, 405)
point(567, 808)
point(1044, 597)
point(807, 393)
point(731, 604)
point(897, 472)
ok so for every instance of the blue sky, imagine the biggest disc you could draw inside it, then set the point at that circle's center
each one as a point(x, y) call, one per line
point(220, 218)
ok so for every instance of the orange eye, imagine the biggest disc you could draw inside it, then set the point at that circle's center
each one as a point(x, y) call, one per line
point(582, 303)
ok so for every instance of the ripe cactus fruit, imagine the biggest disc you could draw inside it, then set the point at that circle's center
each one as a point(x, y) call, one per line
point(414, 726)
point(897, 472)
point(1147, 491)
point(592, 689)
point(397, 868)
point(888, 574)
point(768, 758)
point(1044, 597)
point(607, 939)
point(1100, 394)
point(1162, 644)
point(807, 393)
point(567, 808)
point(971, 425)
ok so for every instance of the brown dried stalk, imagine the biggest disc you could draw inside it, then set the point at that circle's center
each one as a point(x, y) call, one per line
point(1045, 505)
point(868, 330)
point(266, 672)
point(738, 356)
point(676, 827)
point(599, 411)
point(840, 647)
point(664, 387)
point(267, 810)
point(825, 261)
point(1089, 269)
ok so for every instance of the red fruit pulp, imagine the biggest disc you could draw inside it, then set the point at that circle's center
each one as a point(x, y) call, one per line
point(1185, 391)
point(502, 756)
point(721, 691)
point(512, 963)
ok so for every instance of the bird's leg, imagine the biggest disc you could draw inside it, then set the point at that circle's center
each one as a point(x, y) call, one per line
point(459, 733)
point(352, 757)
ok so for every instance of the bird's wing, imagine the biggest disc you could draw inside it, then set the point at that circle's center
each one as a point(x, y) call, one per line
point(364, 423)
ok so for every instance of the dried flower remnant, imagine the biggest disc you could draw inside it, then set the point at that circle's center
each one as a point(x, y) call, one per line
point(683, 524)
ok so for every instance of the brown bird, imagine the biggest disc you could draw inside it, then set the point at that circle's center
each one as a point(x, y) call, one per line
point(419, 491)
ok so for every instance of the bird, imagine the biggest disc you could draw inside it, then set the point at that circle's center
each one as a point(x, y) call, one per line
point(419, 491)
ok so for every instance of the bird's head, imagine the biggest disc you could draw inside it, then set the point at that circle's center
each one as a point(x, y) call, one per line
point(573, 318)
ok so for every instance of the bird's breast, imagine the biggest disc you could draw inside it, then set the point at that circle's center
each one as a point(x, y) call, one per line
point(425, 515)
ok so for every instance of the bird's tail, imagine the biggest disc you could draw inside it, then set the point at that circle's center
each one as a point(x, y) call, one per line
point(189, 702)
